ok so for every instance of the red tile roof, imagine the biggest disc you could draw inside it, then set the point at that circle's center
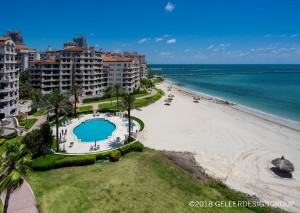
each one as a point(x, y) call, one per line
point(4, 38)
point(73, 49)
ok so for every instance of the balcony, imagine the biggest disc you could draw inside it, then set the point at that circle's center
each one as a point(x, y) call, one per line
point(7, 79)
point(8, 51)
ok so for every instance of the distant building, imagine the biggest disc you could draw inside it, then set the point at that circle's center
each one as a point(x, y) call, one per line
point(9, 78)
point(80, 41)
point(24, 54)
point(15, 36)
point(123, 71)
point(142, 62)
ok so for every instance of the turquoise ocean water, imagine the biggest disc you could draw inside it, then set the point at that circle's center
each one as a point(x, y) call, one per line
point(271, 89)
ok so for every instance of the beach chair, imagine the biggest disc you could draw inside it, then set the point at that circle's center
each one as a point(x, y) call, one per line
point(91, 148)
point(98, 147)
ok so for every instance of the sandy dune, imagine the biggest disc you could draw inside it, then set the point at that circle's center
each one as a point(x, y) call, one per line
point(231, 145)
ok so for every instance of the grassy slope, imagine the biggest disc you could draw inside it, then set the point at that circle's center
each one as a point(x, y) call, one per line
point(140, 182)
point(30, 123)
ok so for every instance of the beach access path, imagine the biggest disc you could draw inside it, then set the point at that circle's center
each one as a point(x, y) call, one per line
point(231, 145)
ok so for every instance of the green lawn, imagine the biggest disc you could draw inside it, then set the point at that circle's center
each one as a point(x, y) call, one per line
point(30, 122)
point(113, 98)
point(3, 146)
point(39, 113)
point(140, 182)
point(84, 108)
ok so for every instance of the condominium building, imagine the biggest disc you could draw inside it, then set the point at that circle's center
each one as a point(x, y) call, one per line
point(9, 78)
point(123, 71)
point(141, 61)
point(92, 70)
point(24, 54)
point(72, 65)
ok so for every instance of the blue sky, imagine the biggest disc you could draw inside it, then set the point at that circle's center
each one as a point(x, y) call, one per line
point(181, 31)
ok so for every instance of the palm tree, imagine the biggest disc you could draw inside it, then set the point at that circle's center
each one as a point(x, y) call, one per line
point(14, 167)
point(56, 102)
point(77, 92)
point(128, 102)
point(118, 92)
point(109, 92)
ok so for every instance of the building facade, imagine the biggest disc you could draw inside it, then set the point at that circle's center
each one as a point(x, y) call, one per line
point(24, 54)
point(92, 70)
point(123, 71)
point(9, 78)
point(67, 67)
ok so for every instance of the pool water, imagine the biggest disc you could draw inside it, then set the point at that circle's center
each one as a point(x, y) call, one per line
point(96, 129)
point(132, 125)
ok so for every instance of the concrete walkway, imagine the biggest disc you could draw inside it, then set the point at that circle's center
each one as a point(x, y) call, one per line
point(22, 200)
point(40, 119)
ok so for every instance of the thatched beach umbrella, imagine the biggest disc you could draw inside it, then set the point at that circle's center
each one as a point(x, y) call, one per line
point(283, 165)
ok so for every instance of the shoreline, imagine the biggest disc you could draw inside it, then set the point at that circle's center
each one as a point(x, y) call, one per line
point(231, 145)
point(295, 125)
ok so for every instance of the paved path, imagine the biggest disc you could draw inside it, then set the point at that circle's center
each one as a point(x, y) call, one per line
point(41, 119)
point(95, 105)
point(22, 200)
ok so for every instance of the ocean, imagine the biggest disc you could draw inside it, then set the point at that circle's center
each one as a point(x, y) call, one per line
point(270, 89)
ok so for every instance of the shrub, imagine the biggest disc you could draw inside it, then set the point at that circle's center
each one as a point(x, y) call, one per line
point(133, 147)
point(46, 162)
point(2, 140)
point(11, 135)
point(115, 155)
point(141, 123)
point(75, 161)
point(103, 156)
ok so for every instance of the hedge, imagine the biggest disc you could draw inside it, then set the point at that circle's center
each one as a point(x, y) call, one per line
point(48, 162)
point(141, 123)
point(115, 155)
point(80, 160)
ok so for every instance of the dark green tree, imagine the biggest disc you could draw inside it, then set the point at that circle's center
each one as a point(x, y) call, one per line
point(128, 102)
point(14, 167)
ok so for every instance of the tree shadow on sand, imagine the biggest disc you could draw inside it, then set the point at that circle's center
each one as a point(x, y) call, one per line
point(281, 173)
point(115, 144)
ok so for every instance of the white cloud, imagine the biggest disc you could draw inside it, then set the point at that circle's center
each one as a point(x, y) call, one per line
point(268, 35)
point(158, 39)
point(293, 36)
point(143, 40)
point(117, 50)
point(187, 50)
point(124, 45)
point(164, 53)
point(171, 41)
point(169, 7)
point(97, 45)
point(283, 35)
point(166, 35)
point(211, 46)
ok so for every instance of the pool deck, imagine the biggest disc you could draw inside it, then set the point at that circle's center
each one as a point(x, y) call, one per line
point(72, 144)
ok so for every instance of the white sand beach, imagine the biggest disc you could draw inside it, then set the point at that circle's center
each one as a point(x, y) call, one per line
point(231, 145)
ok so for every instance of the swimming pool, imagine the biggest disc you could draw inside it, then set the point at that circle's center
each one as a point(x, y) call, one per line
point(95, 129)
point(132, 125)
